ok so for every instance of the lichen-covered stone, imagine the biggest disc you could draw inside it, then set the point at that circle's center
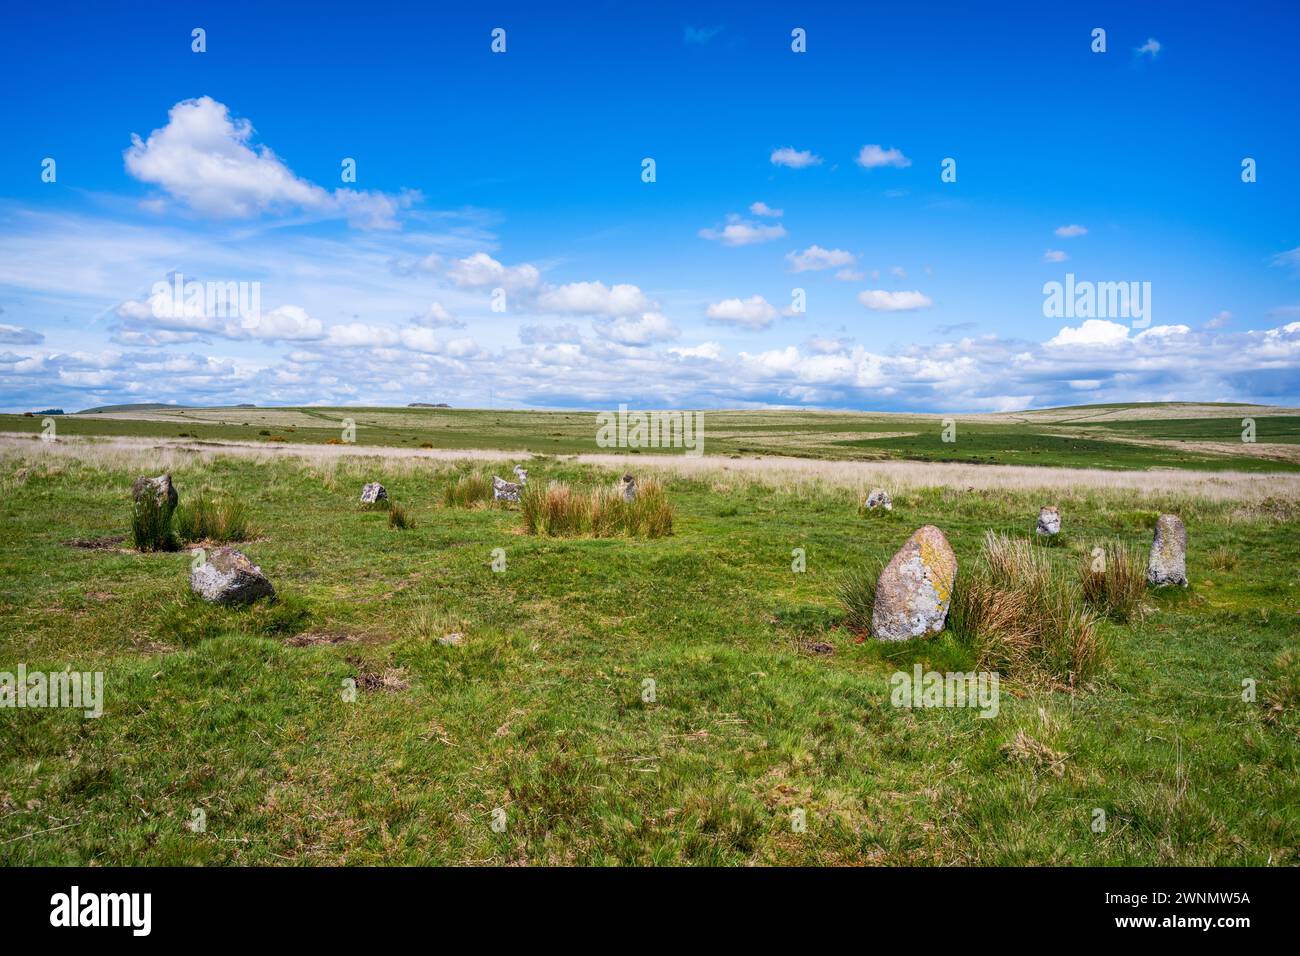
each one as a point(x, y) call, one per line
point(627, 488)
point(373, 492)
point(915, 588)
point(228, 577)
point(503, 490)
point(879, 498)
point(1049, 520)
point(1167, 564)
point(161, 488)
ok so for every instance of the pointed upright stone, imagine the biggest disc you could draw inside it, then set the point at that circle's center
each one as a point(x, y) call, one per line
point(915, 588)
point(1167, 564)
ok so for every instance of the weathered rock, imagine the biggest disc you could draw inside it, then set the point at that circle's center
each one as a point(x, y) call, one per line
point(503, 490)
point(627, 487)
point(228, 577)
point(373, 492)
point(161, 488)
point(1168, 561)
point(915, 588)
point(879, 498)
point(1049, 520)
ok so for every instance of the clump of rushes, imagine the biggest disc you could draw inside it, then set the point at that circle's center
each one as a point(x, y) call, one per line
point(1223, 558)
point(151, 525)
point(856, 591)
point(1113, 579)
point(217, 519)
point(556, 510)
point(399, 517)
point(1282, 682)
point(1023, 617)
point(467, 491)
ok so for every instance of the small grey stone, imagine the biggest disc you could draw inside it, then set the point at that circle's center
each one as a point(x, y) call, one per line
point(161, 488)
point(228, 577)
point(1168, 561)
point(627, 487)
point(879, 498)
point(503, 490)
point(1049, 520)
point(373, 492)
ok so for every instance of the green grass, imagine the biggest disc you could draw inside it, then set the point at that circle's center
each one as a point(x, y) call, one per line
point(540, 710)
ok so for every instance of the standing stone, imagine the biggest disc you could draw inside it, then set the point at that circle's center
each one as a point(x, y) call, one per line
point(228, 577)
point(1168, 562)
point(503, 490)
point(1049, 520)
point(627, 488)
point(373, 492)
point(521, 474)
point(915, 588)
point(879, 498)
point(161, 488)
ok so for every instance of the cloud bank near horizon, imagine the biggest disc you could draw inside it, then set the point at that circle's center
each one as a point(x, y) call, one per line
point(384, 309)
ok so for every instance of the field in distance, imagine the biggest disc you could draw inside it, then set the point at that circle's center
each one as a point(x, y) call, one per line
point(1205, 437)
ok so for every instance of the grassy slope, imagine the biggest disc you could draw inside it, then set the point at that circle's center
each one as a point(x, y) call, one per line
point(540, 710)
point(807, 434)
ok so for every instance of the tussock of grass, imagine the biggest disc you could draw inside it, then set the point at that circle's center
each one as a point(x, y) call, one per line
point(151, 525)
point(558, 511)
point(218, 519)
point(1114, 581)
point(1282, 684)
point(467, 491)
point(400, 518)
point(1223, 558)
point(856, 590)
point(1023, 617)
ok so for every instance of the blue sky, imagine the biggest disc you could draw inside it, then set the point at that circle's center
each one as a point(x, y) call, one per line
point(522, 171)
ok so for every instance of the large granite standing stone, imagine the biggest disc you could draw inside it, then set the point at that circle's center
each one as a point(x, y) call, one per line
point(228, 577)
point(1049, 520)
point(879, 498)
point(161, 487)
point(915, 588)
point(1168, 562)
point(373, 493)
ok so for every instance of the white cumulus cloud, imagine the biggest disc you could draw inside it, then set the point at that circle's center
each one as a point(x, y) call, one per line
point(752, 313)
point(738, 232)
point(594, 298)
point(481, 271)
point(815, 258)
point(204, 159)
point(882, 300)
point(794, 158)
point(872, 156)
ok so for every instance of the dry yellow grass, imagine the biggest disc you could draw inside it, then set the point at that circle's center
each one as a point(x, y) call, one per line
point(160, 454)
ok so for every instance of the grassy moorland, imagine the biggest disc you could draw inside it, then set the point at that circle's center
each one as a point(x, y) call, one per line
point(765, 702)
point(1199, 437)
